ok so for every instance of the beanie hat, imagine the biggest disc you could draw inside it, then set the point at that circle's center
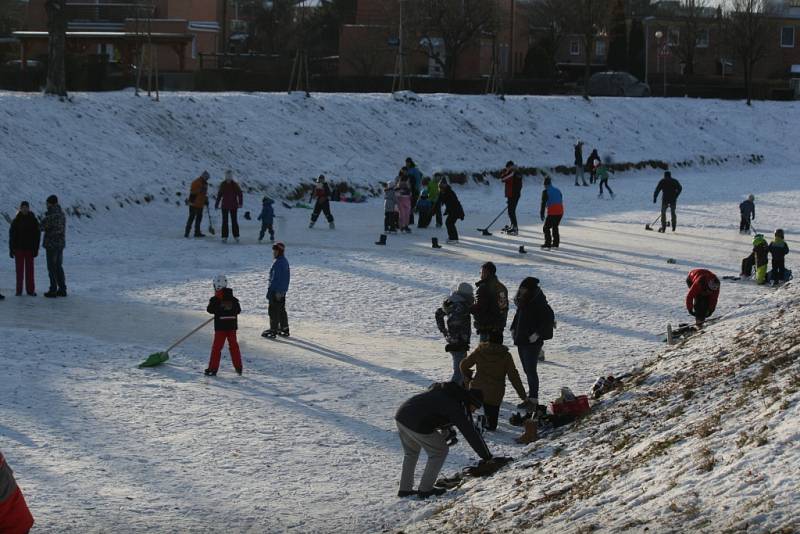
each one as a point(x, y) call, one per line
point(229, 174)
point(321, 178)
point(24, 204)
point(465, 288)
point(279, 246)
point(779, 233)
point(489, 266)
point(52, 199)
point(547, 181)
point(205, 175)
point(530, 283)
point(667, 174)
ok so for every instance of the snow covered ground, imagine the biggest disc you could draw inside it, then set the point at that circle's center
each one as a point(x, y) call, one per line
point(305, 440)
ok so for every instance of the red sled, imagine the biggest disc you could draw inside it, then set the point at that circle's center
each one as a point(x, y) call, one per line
point(576, 408)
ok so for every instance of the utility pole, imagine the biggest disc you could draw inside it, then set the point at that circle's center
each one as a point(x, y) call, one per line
point(398, 82)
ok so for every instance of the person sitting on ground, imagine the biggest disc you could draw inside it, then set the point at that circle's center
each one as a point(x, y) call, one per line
point(758, 259)
point(424, 421)
point(779, 249)
point(493, 363)
point(701, 300)
point(747, 209)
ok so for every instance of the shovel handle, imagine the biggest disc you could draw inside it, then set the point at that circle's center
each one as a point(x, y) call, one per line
point(181, 340)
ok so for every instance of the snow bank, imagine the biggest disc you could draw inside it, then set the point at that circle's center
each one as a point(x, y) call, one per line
point(703, 437)
point(108, 146)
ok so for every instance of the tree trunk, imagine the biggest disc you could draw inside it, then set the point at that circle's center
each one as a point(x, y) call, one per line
point(747, 82)
point(56, 48)
point(587, 69)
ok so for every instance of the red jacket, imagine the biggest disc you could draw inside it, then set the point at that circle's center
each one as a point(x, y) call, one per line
point(513, 182)
point(229, 195)
point(15, 518)
point(698, 281)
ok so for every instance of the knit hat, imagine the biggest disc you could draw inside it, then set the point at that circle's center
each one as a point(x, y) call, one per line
point(205, 175)
point(229, 174)
point(548, 181)
point(779, 233)
point(320, 178)
point(751, 197)
point(24, 204)
point(279, 246)
point(465, 288)
point(489, 266)
point(667, 174)
point(52, 199)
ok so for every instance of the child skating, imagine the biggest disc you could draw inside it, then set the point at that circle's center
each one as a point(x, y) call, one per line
point(225, 308)
point(267, 217)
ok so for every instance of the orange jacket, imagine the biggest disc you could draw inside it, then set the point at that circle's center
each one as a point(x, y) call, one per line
point(198, 193)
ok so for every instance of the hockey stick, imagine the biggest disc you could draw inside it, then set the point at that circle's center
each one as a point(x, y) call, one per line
point(485, 231)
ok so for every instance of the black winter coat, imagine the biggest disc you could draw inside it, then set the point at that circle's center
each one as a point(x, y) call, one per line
point(578, 155)
point(779, 250)
point(24, 233)
point(458, 327)
point(442, 405)
point(452, 206)
point(670, 189)
point(225, 310)
point(533, 315)
point(491, 306)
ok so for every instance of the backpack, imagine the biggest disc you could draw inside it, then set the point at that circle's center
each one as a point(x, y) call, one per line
point(546, 330)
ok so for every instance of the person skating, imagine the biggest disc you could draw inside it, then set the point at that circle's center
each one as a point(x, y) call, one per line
point(491, 304)
point(415, 181)
point(670, 190)
point(701, 300)
point(602, 175)
point(403, 196)
point(591, 163)
point(531, 326)
point(225, 308)
point(424, 210)
point(390, 216)
point(455, 323)
point(54, 226)
point(424, 421)
point(758, 258)
point(231, 198)
point(267, 218)
point(493, 363)
point(322, 194)
point(15, 516)
point(24, 236)
point(552, 202)
point(513, 190)
point(778, 249)
point(453, 210)
point(198, 200)
point(279, 277)
point(579, 165)
point(432, 186)
point(747, 209)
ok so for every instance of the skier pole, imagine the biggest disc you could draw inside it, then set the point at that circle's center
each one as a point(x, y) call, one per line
point(485, 231)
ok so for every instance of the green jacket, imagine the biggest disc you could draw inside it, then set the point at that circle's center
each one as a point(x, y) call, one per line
point(433, 190)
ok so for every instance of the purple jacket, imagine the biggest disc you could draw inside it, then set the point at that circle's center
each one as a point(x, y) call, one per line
point(230, 195)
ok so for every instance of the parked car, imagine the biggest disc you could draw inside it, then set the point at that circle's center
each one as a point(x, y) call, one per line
point(617, 84)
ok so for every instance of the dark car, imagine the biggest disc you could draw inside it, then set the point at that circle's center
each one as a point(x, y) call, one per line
point(617, 84)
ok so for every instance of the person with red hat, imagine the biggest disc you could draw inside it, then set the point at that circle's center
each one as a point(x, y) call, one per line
point(15, 517)
point(276, 294)
point(701, 300)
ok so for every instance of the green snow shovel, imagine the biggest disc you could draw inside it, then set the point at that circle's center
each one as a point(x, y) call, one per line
point(157, 358)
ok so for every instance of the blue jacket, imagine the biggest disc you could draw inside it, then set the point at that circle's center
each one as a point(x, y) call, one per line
point(416, 177)
point(267, 213)
point(278, 276)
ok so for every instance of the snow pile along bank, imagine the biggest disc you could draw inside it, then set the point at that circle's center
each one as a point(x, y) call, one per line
point(704, 437)
point(143, 151)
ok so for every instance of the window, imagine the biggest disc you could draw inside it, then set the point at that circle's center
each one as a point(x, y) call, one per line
point(600, 48)
point(574, 47)
point(787, 37)
point(673, 37)
point(701, 39)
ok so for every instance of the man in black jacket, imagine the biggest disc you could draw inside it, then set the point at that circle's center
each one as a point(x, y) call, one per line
point(424, 421)
point(532, 325)
point(452, 210)
point(491, 304)
point(670, 189)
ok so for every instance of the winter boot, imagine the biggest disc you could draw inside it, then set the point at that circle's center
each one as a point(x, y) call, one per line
point(61, 293)
point(331, 225)
point(402, 493)
point(661, 230)
point(545, 246)
point(224, 239)
point(238, 371)
point(236, 239)
point(311, 224)
point(522, 249)
point(435, 243)
point(452, 241)
point(381, 240)
point(50, 294)
point(199, 234)
point(269, 334)
point(530, 435)
point(284, 332)
point(210, 372)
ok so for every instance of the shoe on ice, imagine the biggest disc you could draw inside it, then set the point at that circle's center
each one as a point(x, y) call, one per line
point(238, 370)
point(210, 372)
point(311, 224)
point(51, 294)
point(545, 246)
point(236, 239)
point(224, 239)
point(331, 225)
point(201, 234)
point(283, 332)
point(269, 334)
point(61, 293)
point(661, 230)
point(403, 493)
point(434, 492)
point(452, 241)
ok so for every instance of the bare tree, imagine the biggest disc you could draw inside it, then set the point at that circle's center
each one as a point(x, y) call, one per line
point(555, 16)
point(457, 24)
point(748, 31)
point(590, 16)
point(56, 49)
point(693, 25)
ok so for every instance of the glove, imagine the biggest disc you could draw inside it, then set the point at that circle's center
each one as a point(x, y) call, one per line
point(450, 436)
point(533, 337)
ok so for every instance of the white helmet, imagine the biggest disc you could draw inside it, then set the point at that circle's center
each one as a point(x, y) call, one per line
point(220, 282)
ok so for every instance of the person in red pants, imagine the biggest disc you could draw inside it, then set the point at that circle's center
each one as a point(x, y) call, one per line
point(15, 518)
point(23, 244)
point(225, 308)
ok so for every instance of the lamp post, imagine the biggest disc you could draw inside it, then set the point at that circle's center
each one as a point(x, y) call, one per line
point(660, 36)
point(646, 21)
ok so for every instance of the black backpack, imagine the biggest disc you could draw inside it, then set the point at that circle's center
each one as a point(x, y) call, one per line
point(548, 322)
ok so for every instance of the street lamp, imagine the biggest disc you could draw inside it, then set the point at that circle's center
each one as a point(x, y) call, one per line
point(662, 49)
point(646, 21)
